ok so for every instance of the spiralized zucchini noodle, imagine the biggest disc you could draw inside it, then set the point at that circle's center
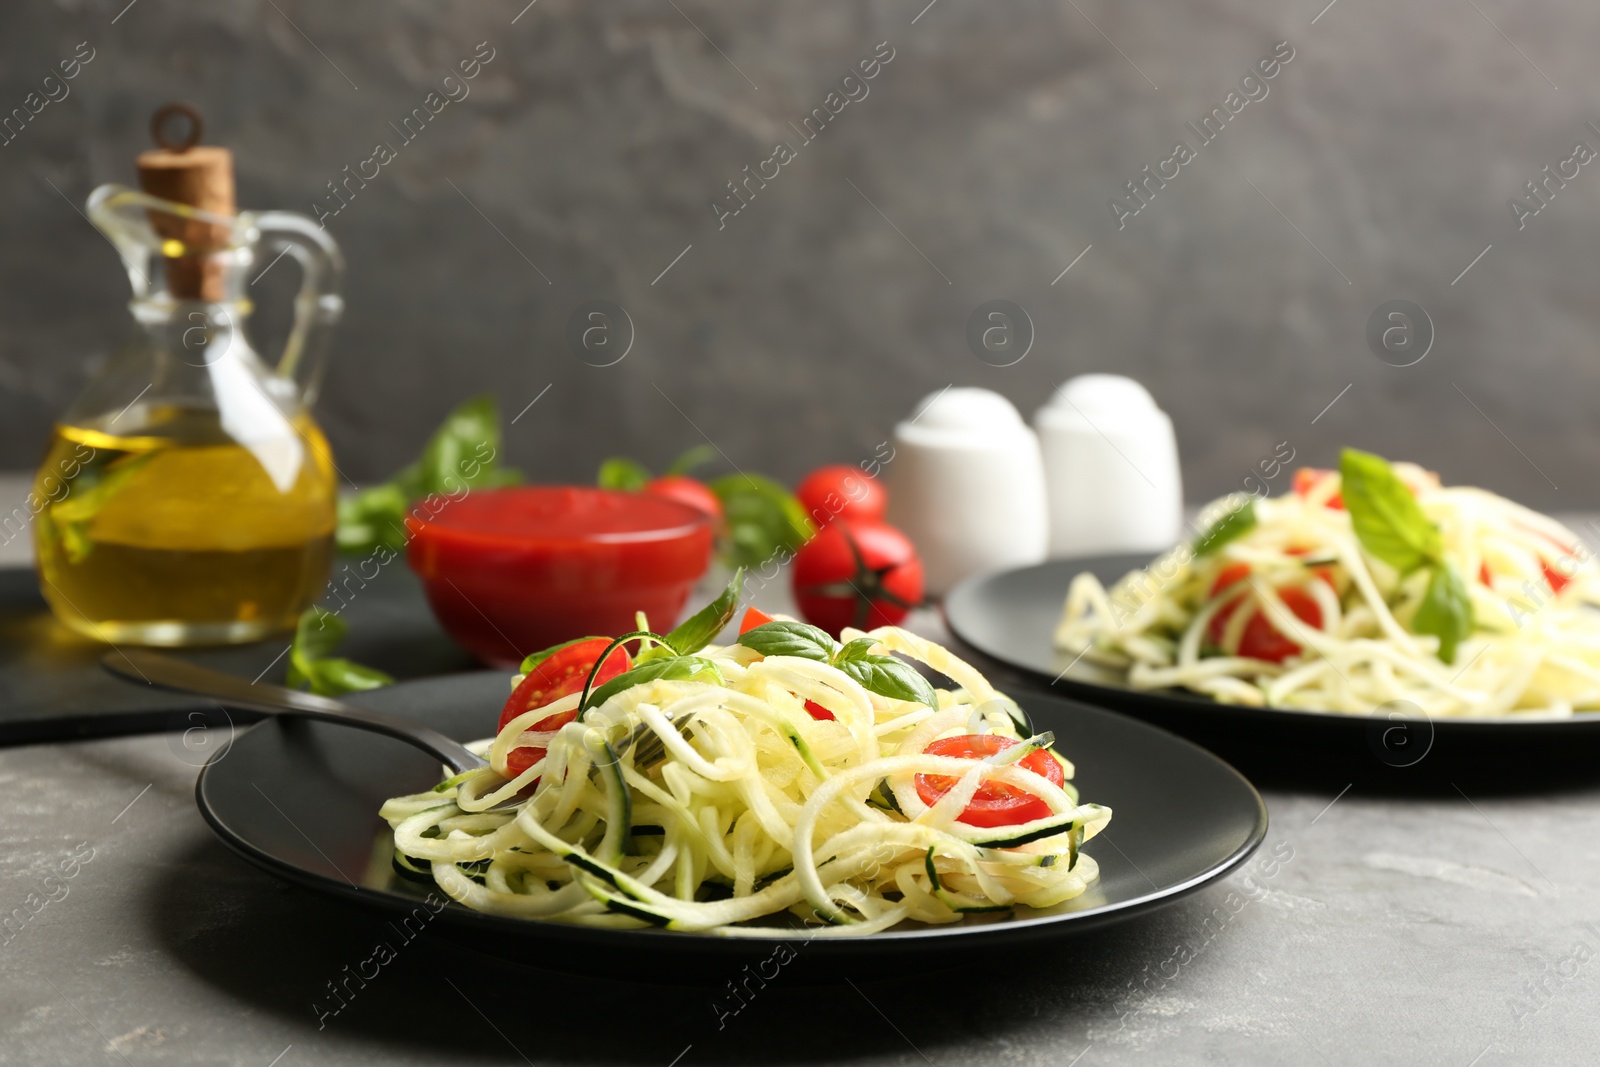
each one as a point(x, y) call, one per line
point(1296, 611)
point(705, 804)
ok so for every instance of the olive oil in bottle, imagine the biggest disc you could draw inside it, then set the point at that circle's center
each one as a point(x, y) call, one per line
point(174, 533)
point(187, 496)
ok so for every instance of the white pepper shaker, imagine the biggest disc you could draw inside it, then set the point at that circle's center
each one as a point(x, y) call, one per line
point(1111, 468)
point(967, 486)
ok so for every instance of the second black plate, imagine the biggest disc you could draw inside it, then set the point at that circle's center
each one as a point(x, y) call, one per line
point(1009, 617)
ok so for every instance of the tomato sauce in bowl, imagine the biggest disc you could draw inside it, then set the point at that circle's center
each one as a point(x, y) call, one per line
point(512, 571)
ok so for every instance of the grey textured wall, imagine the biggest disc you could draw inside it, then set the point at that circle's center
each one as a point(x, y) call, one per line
point(1382, 161)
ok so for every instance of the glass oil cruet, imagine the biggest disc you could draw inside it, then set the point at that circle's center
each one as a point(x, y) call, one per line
point(187, 496)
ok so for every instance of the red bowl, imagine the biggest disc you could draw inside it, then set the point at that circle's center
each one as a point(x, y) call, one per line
point(512, 571)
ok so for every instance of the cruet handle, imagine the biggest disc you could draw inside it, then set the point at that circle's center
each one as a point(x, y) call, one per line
point(318, 306)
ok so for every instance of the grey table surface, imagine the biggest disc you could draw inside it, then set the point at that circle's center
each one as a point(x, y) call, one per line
point(1440, 926)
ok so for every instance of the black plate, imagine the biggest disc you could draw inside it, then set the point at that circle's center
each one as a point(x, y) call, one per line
point(301, 800)
point(1010, 616)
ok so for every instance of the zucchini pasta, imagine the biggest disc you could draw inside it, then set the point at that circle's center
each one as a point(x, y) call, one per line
point(1366, 586)
point(778, 785)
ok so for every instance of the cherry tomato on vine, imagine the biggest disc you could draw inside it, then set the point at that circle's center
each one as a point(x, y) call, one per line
point(562, 674)
point(861, 574)
point(841, 492)
point(686, 490)
point(995, 803)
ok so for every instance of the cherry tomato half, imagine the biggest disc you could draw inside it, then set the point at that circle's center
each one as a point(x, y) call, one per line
point(686, 490)
point(1557, 580)
point(995, 803)
point(861, 574)
point(1308, 478)
point(1260, 639)
point(561, 675)
point(841, 492)
point(754, 617)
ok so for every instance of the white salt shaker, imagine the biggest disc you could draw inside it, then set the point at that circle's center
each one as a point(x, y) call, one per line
point(967, 486)
point(1111, 468)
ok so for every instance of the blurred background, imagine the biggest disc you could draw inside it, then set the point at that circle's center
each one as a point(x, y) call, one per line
point(980, 164)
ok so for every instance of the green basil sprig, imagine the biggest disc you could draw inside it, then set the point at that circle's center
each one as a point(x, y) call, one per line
point(1387, 518)
point(1446, 610)
point(1235, 524)
point(1391, 527)
point(764, 519)
point(701, 628)
point(674, 668)
point(799, 639)
point(620, 472)
point(463, 452)
point(669, 656)
point(90, 491)
point(311, 667)
point(874, 672)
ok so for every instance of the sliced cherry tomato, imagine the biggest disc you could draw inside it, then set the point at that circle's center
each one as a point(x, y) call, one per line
point(995, 803)
point(1552, 572)
point(861, 574)
point(820, 713)
point(1557, 580)
point(1307, 478)
point(1232, 573)
point(1261, 640)
point(842, 492)
point(754, 617)
point(686, 490)
point(561, 675)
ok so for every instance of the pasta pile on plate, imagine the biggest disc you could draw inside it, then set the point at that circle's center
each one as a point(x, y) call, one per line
point(708, 801)
point(1367, 588)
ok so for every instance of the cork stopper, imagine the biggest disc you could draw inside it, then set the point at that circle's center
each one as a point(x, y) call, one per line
point(201, 176)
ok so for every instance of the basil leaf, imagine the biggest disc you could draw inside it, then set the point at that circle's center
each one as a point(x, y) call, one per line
point(372, 517)
point(697, 456)
point(620, 472)
point(1387, 519)
point(91, 491)
point(1445, 611)
point(457, 447)
point(536, 658)
point(860, 648)
point(463, 452)
point(1232, 526)
point(677, 668)
point(790, 639)
point(409, 481)
point(333, 677)
point(697, 631)
point(763, 518)
point(890, 677)
point(316, 634)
